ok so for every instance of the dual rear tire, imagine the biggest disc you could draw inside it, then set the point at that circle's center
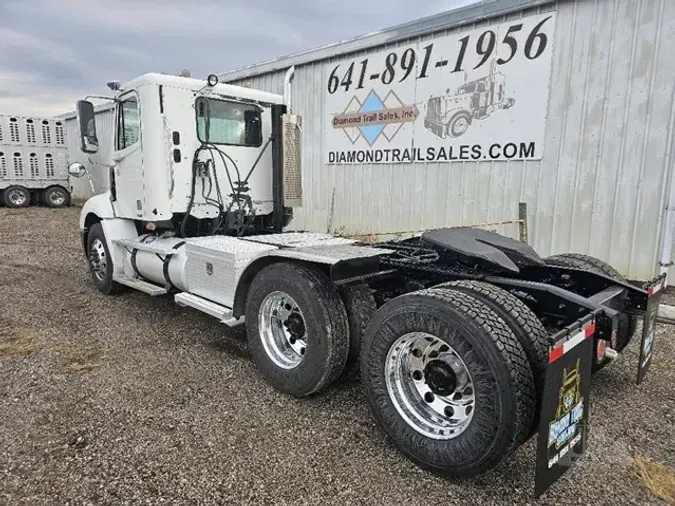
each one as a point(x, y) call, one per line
point(17, 196)
point(302, 331)
point(448, 379)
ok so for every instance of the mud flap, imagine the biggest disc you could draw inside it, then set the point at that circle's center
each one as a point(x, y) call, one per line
point(654, 291)
point(563, 426)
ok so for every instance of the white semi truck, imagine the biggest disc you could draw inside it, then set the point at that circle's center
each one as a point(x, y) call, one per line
point(468, 342)
point(33, 162)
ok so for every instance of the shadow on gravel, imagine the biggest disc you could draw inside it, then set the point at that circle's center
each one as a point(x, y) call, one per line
point(233, 343)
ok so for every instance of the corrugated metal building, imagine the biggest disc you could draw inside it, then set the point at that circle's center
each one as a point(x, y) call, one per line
point(598, 109)
point(105, 126)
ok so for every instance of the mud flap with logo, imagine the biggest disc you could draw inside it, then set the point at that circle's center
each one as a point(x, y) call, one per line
point(649, 327)
point(563, 426)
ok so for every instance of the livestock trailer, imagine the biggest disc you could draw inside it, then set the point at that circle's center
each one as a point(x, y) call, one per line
point(33, 162)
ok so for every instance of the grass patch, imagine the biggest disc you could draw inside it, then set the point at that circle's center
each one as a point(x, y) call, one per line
point(657, 478)
point(18, 346)
point(83, 362)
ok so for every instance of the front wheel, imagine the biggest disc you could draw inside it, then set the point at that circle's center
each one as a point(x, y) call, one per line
point(448, 381)
point(100, 261)
point(297, 328)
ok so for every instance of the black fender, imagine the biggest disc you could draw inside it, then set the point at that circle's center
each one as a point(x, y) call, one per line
point(340, 273)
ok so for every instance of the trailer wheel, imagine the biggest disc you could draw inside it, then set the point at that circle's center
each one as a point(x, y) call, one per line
point(100, 261)
point(448, 381)
point(360, 305)
point(16, 196)
point(297, 328)
point(530, 332)
point(459, 124)
point(55, 196)
point(627, 322)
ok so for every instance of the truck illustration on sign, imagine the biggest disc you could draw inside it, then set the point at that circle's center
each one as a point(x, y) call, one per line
point(451, 115)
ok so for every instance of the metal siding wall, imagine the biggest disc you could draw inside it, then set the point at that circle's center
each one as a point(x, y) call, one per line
point(105, 126)
point(600, 187)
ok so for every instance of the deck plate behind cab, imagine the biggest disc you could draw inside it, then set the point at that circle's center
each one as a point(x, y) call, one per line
point(497, 249)
point(298, 240)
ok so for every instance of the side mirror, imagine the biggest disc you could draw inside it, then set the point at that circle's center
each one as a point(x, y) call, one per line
point(87, 122)
point(76, 169)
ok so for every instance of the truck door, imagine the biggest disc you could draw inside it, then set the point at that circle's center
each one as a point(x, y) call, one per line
point(126, 179)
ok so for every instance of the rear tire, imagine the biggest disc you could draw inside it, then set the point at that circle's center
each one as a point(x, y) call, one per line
point(16, 196)
point(522, 321)
point(627, 322)
point(55, 196)
point(360, 305)
point(297, 328)
point(473, 337)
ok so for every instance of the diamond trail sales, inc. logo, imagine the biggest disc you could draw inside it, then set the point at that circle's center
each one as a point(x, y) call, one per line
point(374, 117)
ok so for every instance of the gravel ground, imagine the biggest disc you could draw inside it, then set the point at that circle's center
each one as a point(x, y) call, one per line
point(132, 399)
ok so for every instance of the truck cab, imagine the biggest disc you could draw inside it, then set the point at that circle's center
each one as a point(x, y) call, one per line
point(203, 177)
point(190, 155)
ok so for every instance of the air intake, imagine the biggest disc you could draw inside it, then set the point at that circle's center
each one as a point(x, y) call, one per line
point(292, 155)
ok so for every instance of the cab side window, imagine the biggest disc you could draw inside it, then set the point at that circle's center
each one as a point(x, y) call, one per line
point(128, 125)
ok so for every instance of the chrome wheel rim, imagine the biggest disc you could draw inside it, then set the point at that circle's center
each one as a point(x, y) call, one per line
point(57, 197)
point(282, 330)
point(430, 386)
point(97, 259)
point(17, 197)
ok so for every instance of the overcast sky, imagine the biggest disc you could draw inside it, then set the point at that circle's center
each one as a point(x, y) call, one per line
point(53, 52)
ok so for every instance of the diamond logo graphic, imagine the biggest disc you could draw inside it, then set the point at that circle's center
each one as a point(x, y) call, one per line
point(374, 117)
point(372, 103)
point(353, 133)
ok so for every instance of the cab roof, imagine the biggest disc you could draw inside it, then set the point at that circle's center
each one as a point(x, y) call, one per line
point(198, 84)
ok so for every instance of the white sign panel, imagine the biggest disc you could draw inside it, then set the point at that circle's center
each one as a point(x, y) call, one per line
point(470, 96)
